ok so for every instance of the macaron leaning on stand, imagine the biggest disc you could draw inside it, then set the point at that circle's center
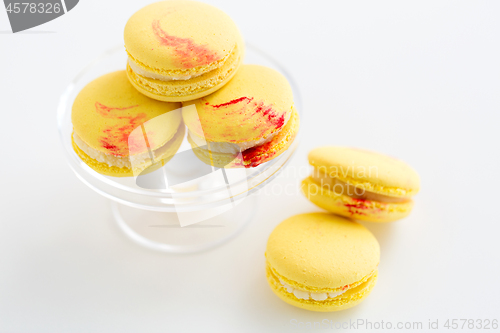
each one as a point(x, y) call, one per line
point(247, 122)
point(179, 50)
point(119, 131)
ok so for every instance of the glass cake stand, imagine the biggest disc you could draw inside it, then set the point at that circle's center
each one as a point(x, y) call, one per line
point(185, 206)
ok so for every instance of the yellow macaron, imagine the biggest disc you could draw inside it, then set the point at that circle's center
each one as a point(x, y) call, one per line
point(361, 184)
point(181, 50)
point(247, 122)
point(119, 132)
point(322, 262)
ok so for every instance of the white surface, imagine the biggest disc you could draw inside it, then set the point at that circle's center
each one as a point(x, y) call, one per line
point(417, 80)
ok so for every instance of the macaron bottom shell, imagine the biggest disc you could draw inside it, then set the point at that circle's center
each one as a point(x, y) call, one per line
point(254, 156)
point(167, 152)
point(190, 89)
point(365, 210)
point(344, 301)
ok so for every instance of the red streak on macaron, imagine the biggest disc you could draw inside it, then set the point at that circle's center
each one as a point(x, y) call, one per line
point(257, 155)
point(278, 120)
point(234, 101)
point(104, 110)
point(256, 118)
point(189, 53)
point(116, 139)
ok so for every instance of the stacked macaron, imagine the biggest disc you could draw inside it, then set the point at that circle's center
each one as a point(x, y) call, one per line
point(190, 52)
point(181, 50)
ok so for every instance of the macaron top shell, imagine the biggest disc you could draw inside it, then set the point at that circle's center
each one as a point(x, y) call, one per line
point(256, 103)
point(176, 36)
point(107, 112)
point(371, 171)
point(321, 250)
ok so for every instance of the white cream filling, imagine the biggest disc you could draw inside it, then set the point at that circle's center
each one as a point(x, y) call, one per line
point(310, 295)
point(151, 75)
point(228, 147)
point(109, 159)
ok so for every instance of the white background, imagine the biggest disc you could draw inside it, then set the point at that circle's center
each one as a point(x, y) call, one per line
point(419, 80)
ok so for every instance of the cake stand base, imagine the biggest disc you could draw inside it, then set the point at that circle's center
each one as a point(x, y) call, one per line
point(162, 231)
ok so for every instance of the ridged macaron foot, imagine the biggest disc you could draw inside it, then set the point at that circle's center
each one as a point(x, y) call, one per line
point(322, 262)
point(179, 50)
point(119, 132)
point(249, 121)
point(361, 184)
